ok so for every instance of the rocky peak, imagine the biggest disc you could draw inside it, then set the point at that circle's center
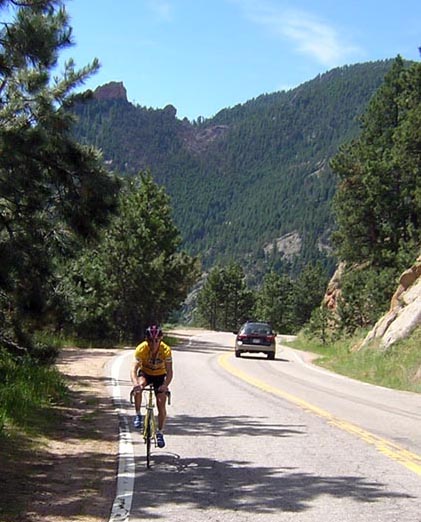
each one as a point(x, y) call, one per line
point(111, 91)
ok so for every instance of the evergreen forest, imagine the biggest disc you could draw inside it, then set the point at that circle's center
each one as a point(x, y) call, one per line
point(112, 214)
point(254, 190)
point(249, 177)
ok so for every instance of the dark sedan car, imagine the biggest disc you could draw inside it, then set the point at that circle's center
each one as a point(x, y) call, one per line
point(255, 337)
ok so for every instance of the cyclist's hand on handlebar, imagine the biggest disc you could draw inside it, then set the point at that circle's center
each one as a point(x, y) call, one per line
point(137, 389)
point(163, 388)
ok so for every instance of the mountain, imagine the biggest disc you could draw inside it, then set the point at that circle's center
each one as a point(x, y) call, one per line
point(253, 183)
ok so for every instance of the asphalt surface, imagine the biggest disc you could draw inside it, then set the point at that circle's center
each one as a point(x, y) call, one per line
point(252, 439)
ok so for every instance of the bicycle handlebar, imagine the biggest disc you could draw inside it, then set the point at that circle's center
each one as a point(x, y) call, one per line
point(148, 387)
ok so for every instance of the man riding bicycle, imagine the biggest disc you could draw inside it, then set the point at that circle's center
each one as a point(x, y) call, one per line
point(152, 365)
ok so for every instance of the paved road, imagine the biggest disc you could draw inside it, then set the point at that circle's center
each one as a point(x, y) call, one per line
point(252, 439)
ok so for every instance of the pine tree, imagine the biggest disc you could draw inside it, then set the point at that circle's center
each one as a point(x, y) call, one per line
point(51, 188)
point(225, 301)
point(136, 274)
point(275, 302)
point(377, 201)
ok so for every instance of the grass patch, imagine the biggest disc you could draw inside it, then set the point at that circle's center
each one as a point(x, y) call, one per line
point(398, 367)
point(27, 391)
point(62, 340)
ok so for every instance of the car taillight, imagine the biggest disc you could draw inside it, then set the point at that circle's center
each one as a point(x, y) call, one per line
point(241, 337)
point(270, 338)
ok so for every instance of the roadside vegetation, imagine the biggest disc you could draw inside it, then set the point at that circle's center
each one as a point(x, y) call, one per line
point(88, 255)
point(83, 252)
point(27, 392)
point(399, 367)
point(226, 300)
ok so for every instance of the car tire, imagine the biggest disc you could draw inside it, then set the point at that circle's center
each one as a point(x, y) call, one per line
point(237, 353)
point(271, 356)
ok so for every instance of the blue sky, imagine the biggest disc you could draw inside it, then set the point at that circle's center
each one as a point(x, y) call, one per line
point(205, 55)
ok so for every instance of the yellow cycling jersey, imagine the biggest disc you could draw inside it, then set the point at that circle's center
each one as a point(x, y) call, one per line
point(152, 366)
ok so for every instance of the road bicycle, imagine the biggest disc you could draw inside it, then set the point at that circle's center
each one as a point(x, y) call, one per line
point(149, 420)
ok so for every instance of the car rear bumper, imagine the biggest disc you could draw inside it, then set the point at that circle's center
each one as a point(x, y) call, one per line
point(247, 347)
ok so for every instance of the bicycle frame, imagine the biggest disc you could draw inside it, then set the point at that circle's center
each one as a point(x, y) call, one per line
point(149, 424)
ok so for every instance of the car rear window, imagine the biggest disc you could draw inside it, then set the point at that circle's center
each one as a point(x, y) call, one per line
point(260, 329)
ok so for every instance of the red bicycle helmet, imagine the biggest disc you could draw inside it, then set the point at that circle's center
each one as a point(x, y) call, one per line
point(154, 332)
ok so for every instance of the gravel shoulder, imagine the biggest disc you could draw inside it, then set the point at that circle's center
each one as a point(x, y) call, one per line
point(71, 473)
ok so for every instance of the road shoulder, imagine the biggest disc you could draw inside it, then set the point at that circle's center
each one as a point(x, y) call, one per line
point(71, 473)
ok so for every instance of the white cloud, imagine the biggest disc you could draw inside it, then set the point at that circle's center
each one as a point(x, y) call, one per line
point(308, 34)
point(315, 38)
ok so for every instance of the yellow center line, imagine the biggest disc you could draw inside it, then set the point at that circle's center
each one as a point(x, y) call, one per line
point(408, 459)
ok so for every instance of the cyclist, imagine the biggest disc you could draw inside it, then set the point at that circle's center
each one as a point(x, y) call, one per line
point(152, 365)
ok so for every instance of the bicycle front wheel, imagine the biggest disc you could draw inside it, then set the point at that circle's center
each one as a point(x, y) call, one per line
point(148, 434)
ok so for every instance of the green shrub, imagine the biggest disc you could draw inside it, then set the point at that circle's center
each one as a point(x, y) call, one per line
point(26, 388)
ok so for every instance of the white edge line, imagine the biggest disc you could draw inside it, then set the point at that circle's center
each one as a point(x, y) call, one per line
point(126, 464)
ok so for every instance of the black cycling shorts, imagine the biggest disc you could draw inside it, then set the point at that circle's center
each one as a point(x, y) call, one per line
point(155, 380)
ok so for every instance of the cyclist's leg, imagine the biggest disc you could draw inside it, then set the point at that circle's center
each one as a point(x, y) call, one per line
point(138, 396)
point(161, 402)
point(138, 401)
point(161, 399)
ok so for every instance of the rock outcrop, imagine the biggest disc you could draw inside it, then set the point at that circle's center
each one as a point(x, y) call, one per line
point(403, 316)
point(289, 245)
point(111, 91)
point(333, 292)
point(198, 140)
point(405, 310)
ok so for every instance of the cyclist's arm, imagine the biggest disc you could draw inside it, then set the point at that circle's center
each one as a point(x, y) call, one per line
point(168, 376)
point(134, 373)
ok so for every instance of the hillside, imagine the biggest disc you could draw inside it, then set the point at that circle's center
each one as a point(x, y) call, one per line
point(252, 183)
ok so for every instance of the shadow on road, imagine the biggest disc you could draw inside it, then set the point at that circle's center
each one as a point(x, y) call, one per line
point(236, 485)
point(262, 358)
point(200, 346)
point(228, 426)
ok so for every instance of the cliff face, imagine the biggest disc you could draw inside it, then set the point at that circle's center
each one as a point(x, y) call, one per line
point(111, 91)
